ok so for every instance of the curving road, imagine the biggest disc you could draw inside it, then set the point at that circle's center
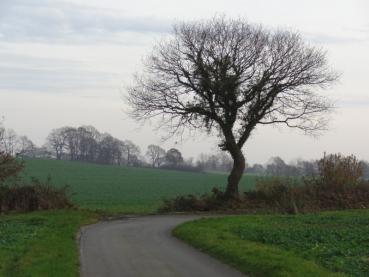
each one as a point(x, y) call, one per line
point(143, 246)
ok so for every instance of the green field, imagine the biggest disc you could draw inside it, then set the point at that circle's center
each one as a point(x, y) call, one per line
point(41, 243)
point(282, 245)
point(124, 189)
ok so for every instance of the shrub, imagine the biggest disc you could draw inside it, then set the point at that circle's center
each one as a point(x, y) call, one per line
point(34, 196)
point(337, 171)
point(206, 202)
point(9, 167)
point(339, 186)
point(15, 196)
point(276, 193)
point(182, 203)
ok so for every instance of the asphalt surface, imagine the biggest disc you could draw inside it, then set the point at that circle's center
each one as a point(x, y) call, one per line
point(143, 246)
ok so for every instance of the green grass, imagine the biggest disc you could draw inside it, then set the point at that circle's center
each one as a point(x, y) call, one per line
point(282, 245)
point(125, 189)
point(41, 243)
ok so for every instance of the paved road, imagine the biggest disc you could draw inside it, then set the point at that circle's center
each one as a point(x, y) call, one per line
point(143, 246)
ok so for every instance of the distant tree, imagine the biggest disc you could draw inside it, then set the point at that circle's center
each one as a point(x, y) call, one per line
point(109, 151)
point(10, 142)
point(26, 147)
point(189, 162)
point(256, 169)
point(91, 140)
point(72, 142)
point(173, 157)
point(2, 133)
point(218, 162)
point(202, 160)
point(225, 161)
point(212, 162)
point(57, 141)
point(131, 152)
point(86, 143)
point(41, 152)
point(276, 167)
point(227, 77)
point(156, 154)
point(135, 160)
point(307, 168)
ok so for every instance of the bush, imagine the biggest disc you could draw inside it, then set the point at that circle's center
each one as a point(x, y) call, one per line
point(340, 185)
point(15, 196)
point(34, 196)
point(276, 193)
point(206, 202)
point(337, 171)
point(9, 167)
point(182, 203)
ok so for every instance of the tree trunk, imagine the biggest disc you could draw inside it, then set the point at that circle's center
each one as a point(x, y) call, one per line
point(236, 173)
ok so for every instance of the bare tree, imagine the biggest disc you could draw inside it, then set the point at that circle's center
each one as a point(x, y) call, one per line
point(2, 133)
point(26, 146)
point(228, 76)
point(156, 154)
point(131, 152)
point(276, 167)
point(10, 143)
point(57, 141)
point(219, 162)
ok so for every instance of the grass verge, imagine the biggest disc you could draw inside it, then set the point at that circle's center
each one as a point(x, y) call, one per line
point(324, 244)
point(41, 243)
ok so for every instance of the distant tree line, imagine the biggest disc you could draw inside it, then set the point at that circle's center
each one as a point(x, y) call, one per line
point(86, 143)
point(215, 162)
point(276, 166)
point(14, 145)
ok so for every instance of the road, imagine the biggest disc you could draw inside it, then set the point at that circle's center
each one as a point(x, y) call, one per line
point(143, 246)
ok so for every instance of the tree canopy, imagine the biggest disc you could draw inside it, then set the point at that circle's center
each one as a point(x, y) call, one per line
point(230, 76)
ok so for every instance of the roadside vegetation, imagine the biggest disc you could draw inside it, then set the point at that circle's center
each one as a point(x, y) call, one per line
point(261, 245)
point(290, 245)
point(21, 195)
point(286, 245)
point(41, 243)
point(339, 185)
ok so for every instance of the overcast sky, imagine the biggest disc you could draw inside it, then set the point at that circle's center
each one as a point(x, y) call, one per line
point(68, 62)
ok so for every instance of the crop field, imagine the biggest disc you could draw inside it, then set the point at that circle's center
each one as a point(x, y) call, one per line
point(124, 189)
point(287, 245)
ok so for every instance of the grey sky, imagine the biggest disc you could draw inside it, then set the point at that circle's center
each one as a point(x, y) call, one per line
point(67, 63)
